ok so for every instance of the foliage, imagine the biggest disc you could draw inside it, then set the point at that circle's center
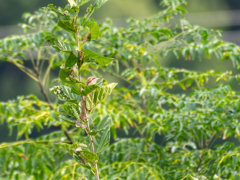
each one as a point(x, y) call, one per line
point(189, 121)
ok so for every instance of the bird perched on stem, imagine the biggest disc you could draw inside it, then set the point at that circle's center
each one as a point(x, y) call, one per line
point(84, 112)
point(91, 80)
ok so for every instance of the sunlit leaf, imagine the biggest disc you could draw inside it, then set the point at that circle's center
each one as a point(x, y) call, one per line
point(100, 60)
point(99, 95)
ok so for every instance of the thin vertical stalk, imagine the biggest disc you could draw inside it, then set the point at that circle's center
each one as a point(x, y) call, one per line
point(92, 147)
point(80, 57)
point(203, 148)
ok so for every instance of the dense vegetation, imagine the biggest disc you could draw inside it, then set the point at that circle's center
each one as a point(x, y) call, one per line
point(189, 121)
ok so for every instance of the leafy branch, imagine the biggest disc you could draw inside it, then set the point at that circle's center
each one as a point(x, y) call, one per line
point(82, 99)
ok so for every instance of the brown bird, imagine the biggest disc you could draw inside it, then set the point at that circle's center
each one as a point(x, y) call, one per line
point(91, 80)
point(84, 112)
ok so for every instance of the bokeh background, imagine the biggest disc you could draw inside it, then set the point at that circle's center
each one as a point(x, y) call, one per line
point(218, 14)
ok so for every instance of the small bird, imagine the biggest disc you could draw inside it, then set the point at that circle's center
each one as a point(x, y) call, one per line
point(84, 111)
point(91, 80)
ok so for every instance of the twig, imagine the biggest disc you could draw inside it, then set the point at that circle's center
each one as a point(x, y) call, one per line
point(212, 142)
point(68, 136)
point(205, 147)
point(48, 101)
point(200, 163)
point(43, 91)
point(92, 147)
point(71, 142)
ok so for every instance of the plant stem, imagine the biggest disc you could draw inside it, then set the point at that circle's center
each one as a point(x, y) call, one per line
point(81, 57)
point(68, 136)
point(92, 147)
point(71, 142)
point(205, 147)
point(43, 92)
point(83, 107)
point(200, 162)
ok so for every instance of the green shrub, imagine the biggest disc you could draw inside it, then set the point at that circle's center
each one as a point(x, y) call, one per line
point(189, 121)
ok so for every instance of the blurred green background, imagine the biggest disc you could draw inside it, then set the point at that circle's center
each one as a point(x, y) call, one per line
point(220, 14)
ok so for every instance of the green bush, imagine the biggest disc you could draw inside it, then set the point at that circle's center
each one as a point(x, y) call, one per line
point(189, 121)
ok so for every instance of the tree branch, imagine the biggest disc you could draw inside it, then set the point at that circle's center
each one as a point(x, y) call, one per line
point(200, 163)
point(84, 110)
point(48, 101)
point(92, 147)
point(68, 136)
point(205, 147)
point(43, 92)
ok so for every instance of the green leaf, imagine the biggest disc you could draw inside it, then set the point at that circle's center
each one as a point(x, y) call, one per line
point(71, 147)
point(98, 4)
point(69, 113)
point(216, 177)
point(189, 82)
point(238, 78)
point(83, 90)
point(152, 42)
point(59, 45)
point(59, 11)
point(204, 35)
point(99, 95)
point(91, 9)
point(73, 12)
point(76, 113)
point(193, 178)
point(64, 94)
point(237, 104)
point(66, 76)
point(71, 60)
point(67, 24)
point(106, 122)
point(100, 60)
point(101, 141)
point(94, 30)
point(89, 156)
point(77, 158)
point(65, 116)
point(182, 85)
point(156, 35)
point(11, 173)
point(67, 12)
point(82, 2)
point(230, 82)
